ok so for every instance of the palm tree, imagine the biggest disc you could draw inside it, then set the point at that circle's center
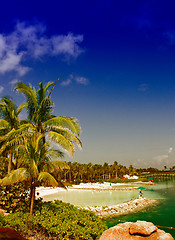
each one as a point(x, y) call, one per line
point(9, 121)
point(63, 131)
point(33, 137)
point(36, 164)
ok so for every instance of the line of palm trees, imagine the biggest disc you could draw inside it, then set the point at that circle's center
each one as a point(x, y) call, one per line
point(78, 172)
point(32, 146)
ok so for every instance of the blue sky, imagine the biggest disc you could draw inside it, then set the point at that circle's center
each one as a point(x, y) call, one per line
point(115, 61)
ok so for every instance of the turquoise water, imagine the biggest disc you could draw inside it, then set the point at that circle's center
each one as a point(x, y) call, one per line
point(161, 215)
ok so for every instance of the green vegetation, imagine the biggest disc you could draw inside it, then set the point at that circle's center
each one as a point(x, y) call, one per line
point(28, 160)
point(60, 220)
point(30, 153)
point(27, 143)
point(15, 198)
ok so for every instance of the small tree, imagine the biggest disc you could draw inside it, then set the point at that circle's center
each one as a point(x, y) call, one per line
point(36, 164)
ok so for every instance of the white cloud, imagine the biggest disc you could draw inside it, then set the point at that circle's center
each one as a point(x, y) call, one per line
point(82, 80)
point(67, 45)
point(30, 41)
point(77, 79)
point(66, 82)
point(163, 159)
point(1, 89)
point(13, 82)
point(170, 150)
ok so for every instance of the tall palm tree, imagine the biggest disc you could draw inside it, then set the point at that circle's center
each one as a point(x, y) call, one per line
point(33, 139)
point(63, 131)
point(36, 164)
point(9, 113)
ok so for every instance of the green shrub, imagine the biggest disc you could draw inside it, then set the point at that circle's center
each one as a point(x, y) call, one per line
point(57, 219)
point(14, 198)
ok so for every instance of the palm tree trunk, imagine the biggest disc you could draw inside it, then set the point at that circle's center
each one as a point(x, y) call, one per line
point(32, 197)
point(10, 163)
point(70, 177)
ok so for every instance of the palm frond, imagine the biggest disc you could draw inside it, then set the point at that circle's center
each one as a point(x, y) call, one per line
point(30, 93)
point(47, 179)
point(20, 108)
point(60, 165)
point(41, 92)
point(53, 154)
point(64, 122)
point(62, 142)
point(15, 176)
point(45, 109)
point(74, 139)
point(55, 166)
point(53, 87)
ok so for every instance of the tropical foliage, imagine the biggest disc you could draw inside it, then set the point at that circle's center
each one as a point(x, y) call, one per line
point(29, 141)
point(56, 221)
point(15, 198)
point(9, 121)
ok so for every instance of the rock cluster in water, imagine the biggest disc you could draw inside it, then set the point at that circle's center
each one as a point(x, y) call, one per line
point(139, 230)
point(123, 208)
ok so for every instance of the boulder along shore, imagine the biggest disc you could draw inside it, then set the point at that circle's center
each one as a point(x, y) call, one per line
point(123, 208)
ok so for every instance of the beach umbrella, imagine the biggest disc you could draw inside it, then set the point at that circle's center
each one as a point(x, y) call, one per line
point(141, 188)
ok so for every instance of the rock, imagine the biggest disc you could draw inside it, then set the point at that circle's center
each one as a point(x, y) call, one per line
point(10, 234)
point(140, 230)
point(142, 227)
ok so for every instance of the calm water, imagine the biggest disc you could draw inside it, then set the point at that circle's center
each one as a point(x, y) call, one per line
point(161, 215)
point(85, 198)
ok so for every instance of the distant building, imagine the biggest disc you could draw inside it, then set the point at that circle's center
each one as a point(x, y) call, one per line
point(130, 177)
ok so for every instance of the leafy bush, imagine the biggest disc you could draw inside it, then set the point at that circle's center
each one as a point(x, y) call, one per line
point(56, 220)
point(14, 198)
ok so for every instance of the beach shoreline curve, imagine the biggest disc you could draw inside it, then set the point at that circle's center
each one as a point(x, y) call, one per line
point(134, 205)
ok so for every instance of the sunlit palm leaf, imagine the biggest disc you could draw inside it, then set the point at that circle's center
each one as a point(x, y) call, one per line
point(15, 176)
point(62, 142)
point(4, 124)
point(64, 122)
point(20, 108)
point(69, 135)
point(55, 166)
point(47, 179)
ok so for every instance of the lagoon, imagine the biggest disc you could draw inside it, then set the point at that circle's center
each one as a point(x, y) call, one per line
point(83, 198)
point(162, 214)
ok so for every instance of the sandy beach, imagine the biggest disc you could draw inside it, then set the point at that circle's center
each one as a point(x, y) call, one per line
point(106, 211)
point(92, 186)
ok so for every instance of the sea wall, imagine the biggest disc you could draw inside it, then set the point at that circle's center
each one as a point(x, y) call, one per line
point(133, 205)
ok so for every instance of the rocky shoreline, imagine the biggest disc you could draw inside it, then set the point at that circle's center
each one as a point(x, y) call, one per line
point(123, 208)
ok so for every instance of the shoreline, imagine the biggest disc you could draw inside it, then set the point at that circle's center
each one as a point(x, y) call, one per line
point(105, 212)
point(134, 205)
point(44, 191)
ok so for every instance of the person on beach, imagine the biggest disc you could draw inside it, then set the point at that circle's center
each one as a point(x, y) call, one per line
point(140, 194)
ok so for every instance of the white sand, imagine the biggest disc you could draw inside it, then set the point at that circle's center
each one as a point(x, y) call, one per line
point(43, 191)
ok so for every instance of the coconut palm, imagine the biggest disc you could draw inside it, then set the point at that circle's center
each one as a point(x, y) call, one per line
point(63, 131)
point(32, 138)
point(35, 165)
point(9, 121)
